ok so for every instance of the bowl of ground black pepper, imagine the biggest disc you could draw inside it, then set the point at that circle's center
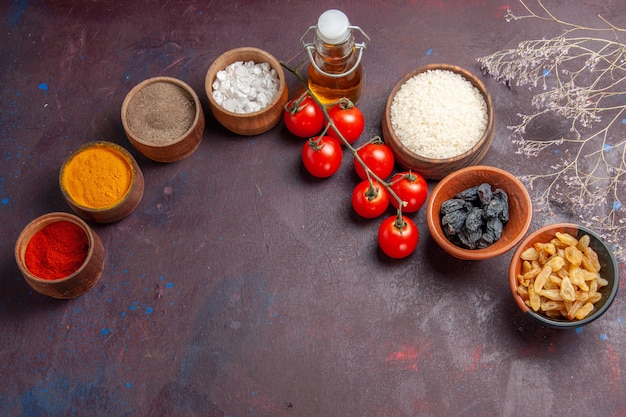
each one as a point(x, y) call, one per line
point(478, 212)
point(59, 255)
point(247, 90)
point(101, 182)
point(163, 119)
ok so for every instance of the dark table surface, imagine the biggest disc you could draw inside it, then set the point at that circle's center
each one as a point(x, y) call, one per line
point(240, 286)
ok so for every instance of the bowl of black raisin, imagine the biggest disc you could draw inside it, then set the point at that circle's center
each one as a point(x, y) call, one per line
point(478, 212)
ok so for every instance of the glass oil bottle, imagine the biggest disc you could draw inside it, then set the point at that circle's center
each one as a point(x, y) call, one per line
point(335, 69)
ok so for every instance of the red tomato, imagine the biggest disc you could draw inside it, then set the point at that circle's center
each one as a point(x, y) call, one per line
point(322, 156)
point(370, 200)
point(397, 237)
point(378, 158)
point(410, 187)
point(348, 119)
point(303, 117)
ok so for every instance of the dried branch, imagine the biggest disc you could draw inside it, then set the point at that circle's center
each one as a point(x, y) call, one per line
point(581, 76)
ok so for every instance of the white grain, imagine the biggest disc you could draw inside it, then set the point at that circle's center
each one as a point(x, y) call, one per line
point(438, 114)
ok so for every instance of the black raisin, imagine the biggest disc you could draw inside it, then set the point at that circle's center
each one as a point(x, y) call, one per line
point(494, 226)
point(469, 239)
point(484, 193)
point(504, 199)
point(470, 194)
point(474, 220)
point(484, 242)
point(451, 205)
point(493, 209)
point(453, 222)
point(486, 239)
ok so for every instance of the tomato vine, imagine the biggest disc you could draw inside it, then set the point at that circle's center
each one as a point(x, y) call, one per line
point(398, 231)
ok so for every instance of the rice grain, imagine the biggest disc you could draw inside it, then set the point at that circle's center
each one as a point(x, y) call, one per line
point(438, 114)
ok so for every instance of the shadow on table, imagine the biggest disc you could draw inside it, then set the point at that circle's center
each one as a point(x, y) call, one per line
point(532, 339)
point(16, 296)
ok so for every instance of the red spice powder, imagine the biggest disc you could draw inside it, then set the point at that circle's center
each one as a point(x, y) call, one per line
point(57, 250)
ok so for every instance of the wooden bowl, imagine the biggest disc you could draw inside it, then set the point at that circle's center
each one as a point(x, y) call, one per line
point(247, 124)
point(609, 271)
point(75, 284)
point(520, 209)
point(72, 185)
point(438, 168)
point(163, 119)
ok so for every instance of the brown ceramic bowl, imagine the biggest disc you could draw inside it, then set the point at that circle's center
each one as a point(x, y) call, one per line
point(609, 271)
point(248, 124)
point(520, 209)
point(111, 212)
point(438, 168)
point(163, 119)
point(75, 284)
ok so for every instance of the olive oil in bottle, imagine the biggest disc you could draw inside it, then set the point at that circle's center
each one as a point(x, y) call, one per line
point(335, 69)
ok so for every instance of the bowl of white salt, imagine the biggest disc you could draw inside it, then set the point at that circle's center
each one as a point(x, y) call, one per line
point(438, 118)
point(163, 119)
point(247, 90)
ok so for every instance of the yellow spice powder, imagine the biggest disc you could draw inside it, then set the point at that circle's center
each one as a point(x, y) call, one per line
point(97, 177)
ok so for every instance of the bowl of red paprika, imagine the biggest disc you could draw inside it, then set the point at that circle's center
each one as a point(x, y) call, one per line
point(59, 255)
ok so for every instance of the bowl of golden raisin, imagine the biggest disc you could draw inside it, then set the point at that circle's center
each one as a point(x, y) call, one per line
point(564, 275)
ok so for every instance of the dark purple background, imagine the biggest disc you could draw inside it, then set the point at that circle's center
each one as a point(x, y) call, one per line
point(240, 286)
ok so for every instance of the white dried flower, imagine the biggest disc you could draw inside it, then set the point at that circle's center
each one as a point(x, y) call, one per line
point(582, 77)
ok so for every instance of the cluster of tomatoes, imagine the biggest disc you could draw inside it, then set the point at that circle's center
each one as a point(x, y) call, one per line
point(374, 164)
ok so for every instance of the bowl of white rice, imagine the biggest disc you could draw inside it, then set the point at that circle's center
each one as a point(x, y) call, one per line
point(247, 90)
point(438, 118)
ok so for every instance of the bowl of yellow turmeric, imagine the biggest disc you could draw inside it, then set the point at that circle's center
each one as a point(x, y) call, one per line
point(101, 182)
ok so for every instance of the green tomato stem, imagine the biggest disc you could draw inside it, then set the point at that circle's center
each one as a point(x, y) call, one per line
point(400, 223)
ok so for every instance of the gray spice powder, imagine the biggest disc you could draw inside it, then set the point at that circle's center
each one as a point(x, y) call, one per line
point(160, 113)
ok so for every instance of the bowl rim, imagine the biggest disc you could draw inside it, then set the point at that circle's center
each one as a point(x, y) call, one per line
point(436, 231)
point(469, 76)
point(39, 223)
point(577, 230)
point(130, 160)
point(217, 66)
point(161, 79)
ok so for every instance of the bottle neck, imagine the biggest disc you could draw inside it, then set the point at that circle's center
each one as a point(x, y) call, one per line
point(335, 58)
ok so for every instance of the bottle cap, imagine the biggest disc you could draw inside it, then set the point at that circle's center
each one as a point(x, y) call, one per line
point(333, 26)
